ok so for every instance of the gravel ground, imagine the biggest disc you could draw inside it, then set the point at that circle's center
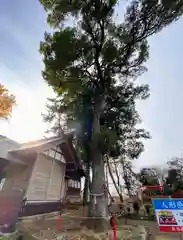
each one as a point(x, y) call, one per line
point(72, 223)
point(153, 230)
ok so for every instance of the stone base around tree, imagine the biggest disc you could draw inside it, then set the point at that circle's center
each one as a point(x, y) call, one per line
point(97, 225)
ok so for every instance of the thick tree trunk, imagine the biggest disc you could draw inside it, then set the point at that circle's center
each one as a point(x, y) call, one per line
point(98, 208)
point(114, 182)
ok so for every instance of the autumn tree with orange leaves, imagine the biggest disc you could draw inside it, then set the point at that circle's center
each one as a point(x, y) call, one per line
point(7, 100)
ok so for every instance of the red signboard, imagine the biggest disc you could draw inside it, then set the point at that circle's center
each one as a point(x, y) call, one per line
point(170, 229)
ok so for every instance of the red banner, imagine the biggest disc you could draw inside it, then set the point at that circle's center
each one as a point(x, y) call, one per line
point(170, 229)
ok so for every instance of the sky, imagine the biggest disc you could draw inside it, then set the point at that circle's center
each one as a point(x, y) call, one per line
point(22, 26)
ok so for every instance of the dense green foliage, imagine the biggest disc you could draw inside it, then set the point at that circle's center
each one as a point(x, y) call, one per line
point(92, 63)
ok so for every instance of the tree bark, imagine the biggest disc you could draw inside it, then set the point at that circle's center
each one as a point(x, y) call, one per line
point(125, 177)
point(118, 180)
point(98, 208)
point(113, 180)
point(110, 195)
point(86, 185)
point(98, 202)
